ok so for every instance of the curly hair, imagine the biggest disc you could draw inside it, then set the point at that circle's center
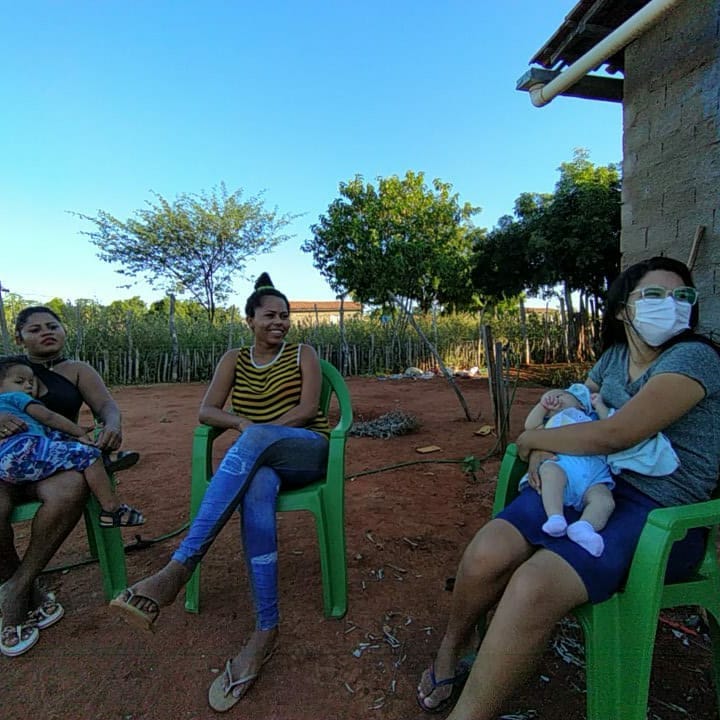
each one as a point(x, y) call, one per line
point(263, 288)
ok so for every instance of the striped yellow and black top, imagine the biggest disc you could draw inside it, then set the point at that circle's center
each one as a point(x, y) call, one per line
point(262, 393)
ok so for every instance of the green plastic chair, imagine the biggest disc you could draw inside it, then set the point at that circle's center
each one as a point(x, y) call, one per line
point(106, 544)
point(620, 632)
point(325, 499)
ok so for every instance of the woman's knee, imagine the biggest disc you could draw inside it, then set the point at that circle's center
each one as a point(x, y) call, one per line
point(260, 436)
point(263, 487)
point(496, 549)
point(545, 583)
point(68, 488)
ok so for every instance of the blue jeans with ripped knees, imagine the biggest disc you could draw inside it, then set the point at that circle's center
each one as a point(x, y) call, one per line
point(261, 461)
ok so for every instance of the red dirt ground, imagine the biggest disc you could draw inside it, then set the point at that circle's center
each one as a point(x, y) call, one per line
point(406, 528)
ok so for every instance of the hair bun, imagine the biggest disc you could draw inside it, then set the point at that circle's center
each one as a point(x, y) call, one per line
point(263, 281)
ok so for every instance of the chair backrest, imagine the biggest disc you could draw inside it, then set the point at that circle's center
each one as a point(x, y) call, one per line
point(511, 470)
point(334, 383)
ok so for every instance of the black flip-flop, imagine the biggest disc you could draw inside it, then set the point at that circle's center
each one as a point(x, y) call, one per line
point(122, 460)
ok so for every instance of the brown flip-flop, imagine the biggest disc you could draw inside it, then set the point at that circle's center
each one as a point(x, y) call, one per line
point(220, 694)
point(143, 619)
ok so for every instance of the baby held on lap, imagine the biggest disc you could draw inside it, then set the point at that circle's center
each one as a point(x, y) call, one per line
point(585, 482)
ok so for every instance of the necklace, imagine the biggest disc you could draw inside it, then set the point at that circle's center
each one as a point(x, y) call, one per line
point(48, 363)
point(272, 359)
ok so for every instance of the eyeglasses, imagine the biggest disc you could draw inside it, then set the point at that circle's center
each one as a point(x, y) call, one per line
point(679, 294)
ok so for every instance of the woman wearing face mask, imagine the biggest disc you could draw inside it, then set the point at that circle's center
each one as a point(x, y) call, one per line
point(659, 375)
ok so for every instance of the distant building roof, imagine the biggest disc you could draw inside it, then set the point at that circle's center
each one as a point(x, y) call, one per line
point(323, 306)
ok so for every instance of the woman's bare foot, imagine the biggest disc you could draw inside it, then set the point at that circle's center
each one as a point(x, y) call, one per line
point(255, 653)
point(163, 587)
point(14, 603)
point(436, 683)
point(140, 604)
point(240, 672)
point(39, 595)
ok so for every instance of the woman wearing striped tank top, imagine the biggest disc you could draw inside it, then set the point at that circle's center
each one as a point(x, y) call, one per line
point(274, 390)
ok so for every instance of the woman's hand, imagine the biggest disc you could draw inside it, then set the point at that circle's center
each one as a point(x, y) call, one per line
point(242, 424)
point(527, 451)
point(110, 438)
point(9, 425)
point(524, 444)
point(536, 459)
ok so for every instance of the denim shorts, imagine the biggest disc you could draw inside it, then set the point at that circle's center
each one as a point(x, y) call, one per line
point(605, 575)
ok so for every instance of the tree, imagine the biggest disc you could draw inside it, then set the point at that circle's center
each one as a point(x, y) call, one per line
point(577, 239)
point(399, 237)
point(196, 244)
point(399, 243)
point(570, 238)
point(503, 266)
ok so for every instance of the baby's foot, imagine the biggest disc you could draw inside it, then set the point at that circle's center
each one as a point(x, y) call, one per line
point(583, 533)
point(555, 525)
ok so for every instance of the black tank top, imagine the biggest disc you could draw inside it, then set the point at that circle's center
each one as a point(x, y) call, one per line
point(62, 396)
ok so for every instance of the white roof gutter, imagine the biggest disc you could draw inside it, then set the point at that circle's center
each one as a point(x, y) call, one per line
point(541, 94)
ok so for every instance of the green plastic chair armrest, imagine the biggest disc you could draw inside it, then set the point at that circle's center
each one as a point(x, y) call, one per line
point(681, 518)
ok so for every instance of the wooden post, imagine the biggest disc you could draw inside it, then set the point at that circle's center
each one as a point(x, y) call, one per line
point(524, 332)
point(699, 232)
point(3, 323)
point(501, 398)
point(490, 362)
point(174, 343)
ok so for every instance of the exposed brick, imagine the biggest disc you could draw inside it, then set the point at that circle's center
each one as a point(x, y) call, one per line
point(671, 145)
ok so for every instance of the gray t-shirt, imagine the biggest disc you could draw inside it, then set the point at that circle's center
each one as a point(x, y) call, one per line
point(695, 436)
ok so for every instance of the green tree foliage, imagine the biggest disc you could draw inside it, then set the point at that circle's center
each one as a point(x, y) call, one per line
point(503, 266)
point(195, 244)
point(577, 241)
point(399, 236)
point(569, 238)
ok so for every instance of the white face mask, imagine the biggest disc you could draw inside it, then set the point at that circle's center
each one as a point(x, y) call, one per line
point(656, 321)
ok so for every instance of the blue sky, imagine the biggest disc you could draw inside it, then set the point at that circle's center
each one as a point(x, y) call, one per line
point(104, 102)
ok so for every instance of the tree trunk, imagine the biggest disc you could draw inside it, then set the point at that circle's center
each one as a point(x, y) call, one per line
point(344, 349)
point(436, 355)
point(174, 345)
point(524, 333)
point(571, 326)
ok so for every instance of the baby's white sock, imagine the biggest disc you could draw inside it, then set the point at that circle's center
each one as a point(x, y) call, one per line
point(555, 525)
point(583, 533)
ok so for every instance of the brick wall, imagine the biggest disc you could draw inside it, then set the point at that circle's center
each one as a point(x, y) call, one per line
point(671, 146)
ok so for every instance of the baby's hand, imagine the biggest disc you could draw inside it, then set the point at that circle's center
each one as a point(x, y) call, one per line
point(550, 400)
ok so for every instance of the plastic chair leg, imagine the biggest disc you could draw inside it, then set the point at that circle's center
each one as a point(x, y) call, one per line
point(713, 617)
point(611, 649)
point(192, 591)
point(109, 550)
point(331, 543)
